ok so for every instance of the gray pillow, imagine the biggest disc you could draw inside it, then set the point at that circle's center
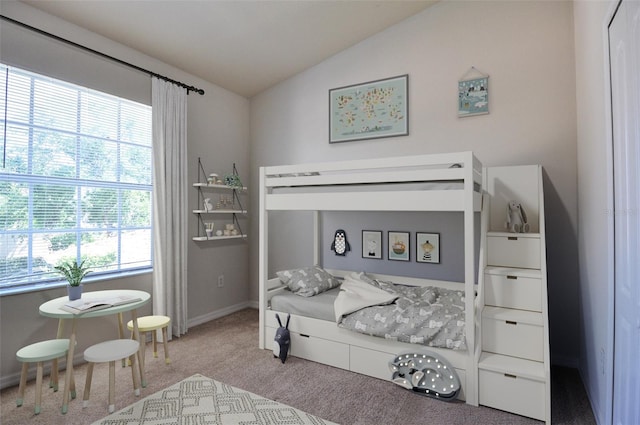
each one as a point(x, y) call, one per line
point(308, 281)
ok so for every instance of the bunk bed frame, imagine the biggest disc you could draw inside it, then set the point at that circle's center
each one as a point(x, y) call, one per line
point(363, 185)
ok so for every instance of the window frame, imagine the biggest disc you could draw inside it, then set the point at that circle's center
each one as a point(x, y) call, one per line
point(81, 226)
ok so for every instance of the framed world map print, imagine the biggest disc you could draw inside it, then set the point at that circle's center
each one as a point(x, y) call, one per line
point(369, 110)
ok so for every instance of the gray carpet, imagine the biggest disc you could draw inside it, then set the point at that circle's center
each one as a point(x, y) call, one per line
point(201, 400)
point(226, 350)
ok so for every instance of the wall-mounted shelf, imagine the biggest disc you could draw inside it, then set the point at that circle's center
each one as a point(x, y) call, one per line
point(231, 205)
point(220, 212)
point(217, 238)
point(219, 186)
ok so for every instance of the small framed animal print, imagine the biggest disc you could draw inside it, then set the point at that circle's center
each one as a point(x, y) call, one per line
point(372, 244)
point(427, 247)
point(398, 244)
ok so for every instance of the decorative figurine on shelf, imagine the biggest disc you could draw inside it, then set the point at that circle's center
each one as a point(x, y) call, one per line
point(212, 179)
point(208, 206)
point(233, 180)
point(230, 230)
point(340, 243)
point(209, 229)
point(516, 218)
point(225, 203)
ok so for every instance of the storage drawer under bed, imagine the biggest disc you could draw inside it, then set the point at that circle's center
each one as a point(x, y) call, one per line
point(315, 349)
point(351, 353)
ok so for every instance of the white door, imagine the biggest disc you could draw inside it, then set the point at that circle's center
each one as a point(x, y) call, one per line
point(624, 47)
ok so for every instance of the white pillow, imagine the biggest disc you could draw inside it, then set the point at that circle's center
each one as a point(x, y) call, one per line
point(357, 292)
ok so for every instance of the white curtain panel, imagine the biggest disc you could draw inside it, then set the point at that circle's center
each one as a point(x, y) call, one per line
point(169, 120)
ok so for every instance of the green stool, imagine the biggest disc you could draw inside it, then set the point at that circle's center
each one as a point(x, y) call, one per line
point(38, 353)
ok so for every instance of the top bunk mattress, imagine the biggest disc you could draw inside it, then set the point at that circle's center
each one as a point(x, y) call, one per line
point(437, 168)
point(384, 184)
point(377, 187)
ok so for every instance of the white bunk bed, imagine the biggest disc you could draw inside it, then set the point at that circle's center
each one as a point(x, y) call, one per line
point(439, 182)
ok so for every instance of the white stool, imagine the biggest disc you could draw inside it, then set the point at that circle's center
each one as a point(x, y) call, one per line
point(40, 352)
point(110, 351)
point(151, 324)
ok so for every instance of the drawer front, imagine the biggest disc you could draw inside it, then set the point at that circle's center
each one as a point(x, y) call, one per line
point(512, 393)
point(512, 338)
point(315, 349)
point(371, 362)
point(513, 251)
point(512, 291)
point(320, 350)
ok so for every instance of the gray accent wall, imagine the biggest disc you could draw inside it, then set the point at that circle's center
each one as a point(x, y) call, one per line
point(449, 225)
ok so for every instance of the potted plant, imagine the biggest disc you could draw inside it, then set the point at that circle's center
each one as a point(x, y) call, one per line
point(74, 273)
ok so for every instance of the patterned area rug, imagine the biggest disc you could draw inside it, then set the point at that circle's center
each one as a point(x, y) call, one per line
point(202, 400)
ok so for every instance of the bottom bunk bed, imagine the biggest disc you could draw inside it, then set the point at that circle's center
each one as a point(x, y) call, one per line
point(317, 332)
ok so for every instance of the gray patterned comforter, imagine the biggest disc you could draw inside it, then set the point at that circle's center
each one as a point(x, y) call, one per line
point(429, 316)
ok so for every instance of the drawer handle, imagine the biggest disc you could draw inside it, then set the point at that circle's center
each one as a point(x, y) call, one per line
point(304, 336)
point(512, 277)
point(508, 375)
point(512, 238)
point(510, 322)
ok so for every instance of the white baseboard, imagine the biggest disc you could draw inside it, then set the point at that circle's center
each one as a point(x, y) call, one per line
point(217, 314)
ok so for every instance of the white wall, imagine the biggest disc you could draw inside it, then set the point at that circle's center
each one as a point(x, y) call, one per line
point(525, 47)
point(218, 131)
point(595, 195)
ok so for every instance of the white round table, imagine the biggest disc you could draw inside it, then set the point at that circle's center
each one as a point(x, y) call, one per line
point(52, 308)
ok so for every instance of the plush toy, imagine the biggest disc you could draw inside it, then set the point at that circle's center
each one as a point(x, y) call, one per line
point(425, 373)
point(232, 180)
point(282, 340)
point(516, 218)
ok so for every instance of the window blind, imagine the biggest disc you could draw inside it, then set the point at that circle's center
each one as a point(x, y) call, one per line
point(76, 180)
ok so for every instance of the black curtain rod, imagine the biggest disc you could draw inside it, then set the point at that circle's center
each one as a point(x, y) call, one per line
point(95, 52)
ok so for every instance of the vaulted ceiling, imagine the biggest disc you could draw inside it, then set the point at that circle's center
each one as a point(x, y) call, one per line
point(245, 46)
